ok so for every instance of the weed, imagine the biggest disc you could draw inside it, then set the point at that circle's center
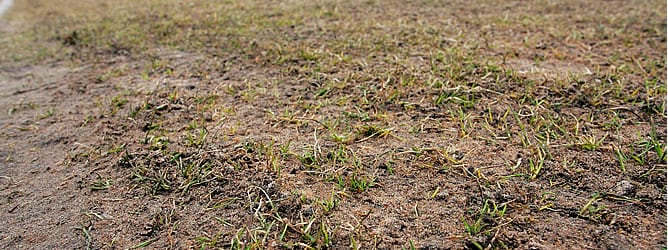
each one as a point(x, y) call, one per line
point(173, 96)
point(340, 155)
point(655, 144)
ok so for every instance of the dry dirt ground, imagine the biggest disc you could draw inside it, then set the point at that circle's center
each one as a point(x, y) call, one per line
point(333, 124)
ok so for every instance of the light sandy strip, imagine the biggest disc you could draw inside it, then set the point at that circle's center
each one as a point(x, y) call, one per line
point(4, 5)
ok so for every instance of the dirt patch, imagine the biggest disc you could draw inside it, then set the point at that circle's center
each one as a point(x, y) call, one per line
point(37, 188)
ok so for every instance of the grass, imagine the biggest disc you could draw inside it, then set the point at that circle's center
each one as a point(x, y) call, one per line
point(355, 183)
point(488, 212)
point(144, 244)
point(101, 184)
point(363, 106)
point(590, 142)
point(537, 162)
point(86, 233)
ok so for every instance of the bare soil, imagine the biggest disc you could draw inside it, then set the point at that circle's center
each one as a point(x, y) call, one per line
point(333, 124)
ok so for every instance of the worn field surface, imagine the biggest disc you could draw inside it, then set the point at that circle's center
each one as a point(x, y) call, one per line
point(333, 124)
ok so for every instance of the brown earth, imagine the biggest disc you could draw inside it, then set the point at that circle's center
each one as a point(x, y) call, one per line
point(333, 124)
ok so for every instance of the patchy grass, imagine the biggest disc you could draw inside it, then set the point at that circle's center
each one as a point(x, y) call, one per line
point(348, 124)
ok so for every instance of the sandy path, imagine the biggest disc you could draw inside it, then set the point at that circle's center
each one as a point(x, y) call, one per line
point(42, 202)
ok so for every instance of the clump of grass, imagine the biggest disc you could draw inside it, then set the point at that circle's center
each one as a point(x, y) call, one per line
point(157, 182)
point(117, 103)
point(622, 158)
point(537, 162)
point(328, 204)
point(489, 214)
point(457, 96)
point(101, 184)
point(590, 142)
point(355, 183)
point(592, 209)
point(195, 136)
point(645, 146)
point(341, 138)
point(49, 113)
point(308, 158)
point(370, 131)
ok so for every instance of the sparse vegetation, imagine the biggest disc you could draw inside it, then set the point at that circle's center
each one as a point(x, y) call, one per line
point(333, 124)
